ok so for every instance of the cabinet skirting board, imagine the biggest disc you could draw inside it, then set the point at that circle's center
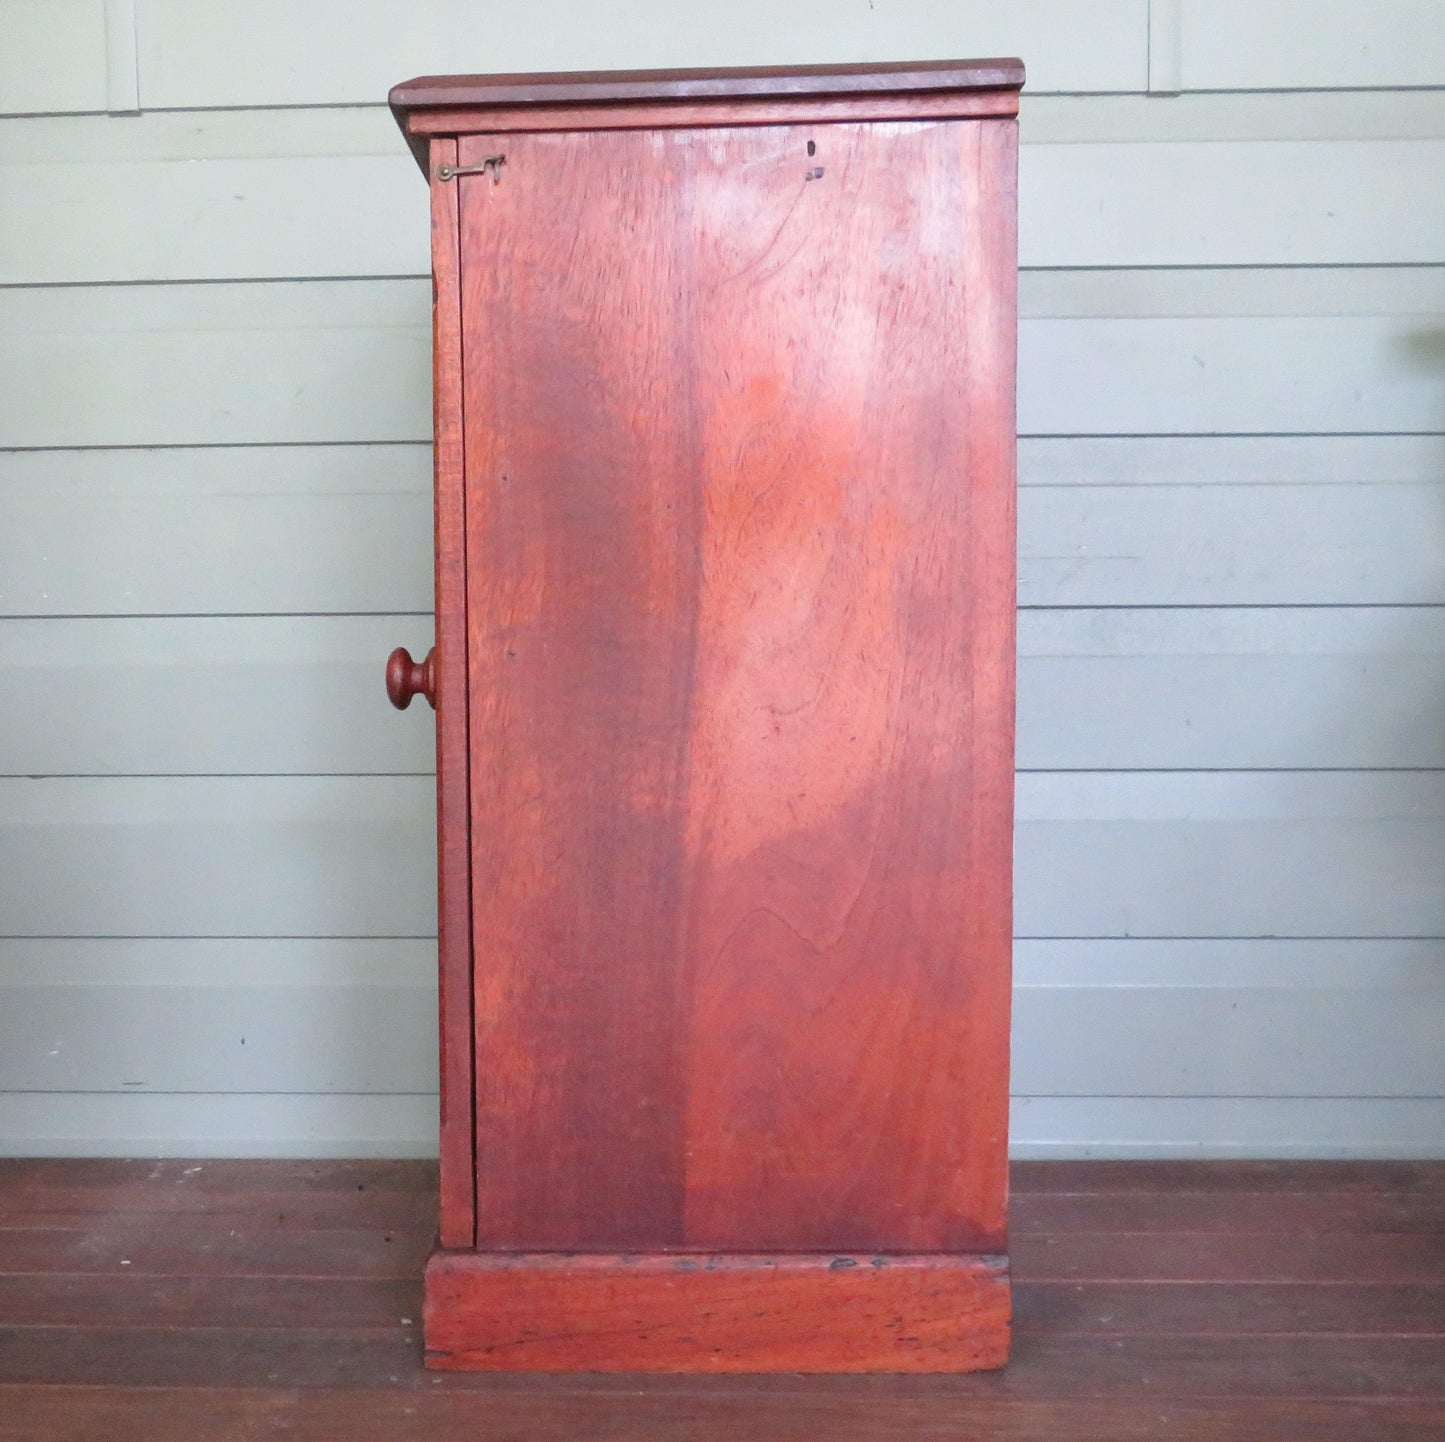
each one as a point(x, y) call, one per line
point(719, 1312)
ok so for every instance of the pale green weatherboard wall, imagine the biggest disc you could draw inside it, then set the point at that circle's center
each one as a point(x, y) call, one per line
point(216, 876)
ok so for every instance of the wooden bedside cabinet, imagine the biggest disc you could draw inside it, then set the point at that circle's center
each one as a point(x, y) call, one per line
point(724, 691)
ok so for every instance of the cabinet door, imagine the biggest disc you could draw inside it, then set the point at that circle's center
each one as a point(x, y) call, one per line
point(739, 468)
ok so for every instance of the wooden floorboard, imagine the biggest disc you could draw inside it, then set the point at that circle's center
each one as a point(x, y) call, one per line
point(260, 1300)
point(1103, 1309)
point(534, 1414)
point(1232, 1212)
point(1092, 1178)
point(84, 1299)
point(174, 1248)
point(1215, 1257)
point(1044, 1367)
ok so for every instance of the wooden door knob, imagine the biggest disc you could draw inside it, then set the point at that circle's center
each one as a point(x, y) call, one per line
point(406, 678)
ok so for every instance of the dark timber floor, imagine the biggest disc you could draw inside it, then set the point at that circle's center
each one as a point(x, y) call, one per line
point(256, 1300)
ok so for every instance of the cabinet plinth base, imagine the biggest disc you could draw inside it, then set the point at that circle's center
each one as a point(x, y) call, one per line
point(727, 1312)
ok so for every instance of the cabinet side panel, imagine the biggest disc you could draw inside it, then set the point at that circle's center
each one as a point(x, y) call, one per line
point(850, 803)
point(454, 857)
point(740, 520)
point(582, 525)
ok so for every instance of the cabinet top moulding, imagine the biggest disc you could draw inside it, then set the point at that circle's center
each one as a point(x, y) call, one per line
point(611, 99)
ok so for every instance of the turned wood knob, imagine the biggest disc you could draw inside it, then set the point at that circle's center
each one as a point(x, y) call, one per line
point(406, 678)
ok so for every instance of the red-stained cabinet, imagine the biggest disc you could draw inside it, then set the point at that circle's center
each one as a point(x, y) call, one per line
point(724, 691)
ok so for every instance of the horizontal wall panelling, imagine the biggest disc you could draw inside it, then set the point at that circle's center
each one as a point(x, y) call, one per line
point(1352, 115)
point(346, 361)
point(1225, 545)
point(1232, 688)
point(1225, 1018)
point(233, 856)
point(1231, 203)
point(115, 1124)
point(1098, 854)
point(311, 551)
point(368, 129)
point(335, 53)
point(258, 1015)
point(1147, 1041)
point(1310, 44)
point(1243, 854)
point(1189, 1127)
point(1099, 689)
point(53, 56)
point(217, 198)
point(212, 1124)
point(342, 52)
point(1216, 460)
point(1233, 374)
point(356, 52)
point(230, 530)
point(217, 364)
point(209, 695)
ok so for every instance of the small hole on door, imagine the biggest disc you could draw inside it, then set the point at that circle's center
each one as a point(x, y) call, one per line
point(812, 148)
